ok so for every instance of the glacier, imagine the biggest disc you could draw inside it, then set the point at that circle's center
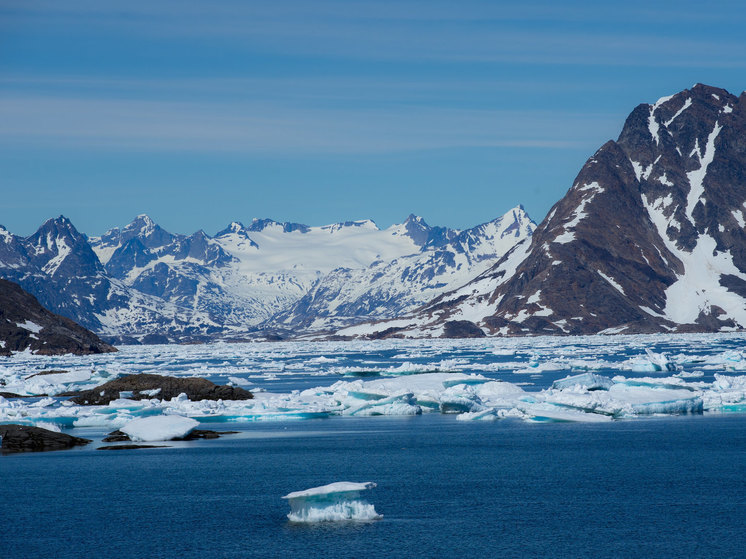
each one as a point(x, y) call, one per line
point(337, 501)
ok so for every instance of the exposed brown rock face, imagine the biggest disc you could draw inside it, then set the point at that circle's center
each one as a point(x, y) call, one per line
point(167, 387)
point(650, 238)
point(25, 324)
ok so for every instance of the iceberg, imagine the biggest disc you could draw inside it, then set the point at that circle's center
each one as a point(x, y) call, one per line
point(652, 363)
point(338, 501)
point(159, 428)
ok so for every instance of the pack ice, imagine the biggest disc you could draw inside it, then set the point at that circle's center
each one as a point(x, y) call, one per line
point(607, 379)
point(334, 502)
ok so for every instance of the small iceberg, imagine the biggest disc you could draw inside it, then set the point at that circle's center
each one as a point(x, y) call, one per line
point(159, 428)
point(338, 501)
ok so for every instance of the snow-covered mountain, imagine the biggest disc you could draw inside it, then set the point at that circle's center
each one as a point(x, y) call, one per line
point(244, 275)
point(142, 282)
point(651, 237)
point(58, 266)
point(446, 259)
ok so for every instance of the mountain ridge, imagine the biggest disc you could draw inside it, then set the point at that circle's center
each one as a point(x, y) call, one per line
point(140, 282)
point(649, 238)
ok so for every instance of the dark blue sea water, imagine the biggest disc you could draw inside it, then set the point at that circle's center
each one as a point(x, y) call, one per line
point(663, 487)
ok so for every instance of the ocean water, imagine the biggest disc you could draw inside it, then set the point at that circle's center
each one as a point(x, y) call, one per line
point(653, 486)
point(663, 487)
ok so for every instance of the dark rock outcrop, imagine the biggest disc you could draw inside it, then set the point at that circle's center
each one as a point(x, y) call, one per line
point(24, 438)
point(143, 386)
point(25, 324)
point(462, 329)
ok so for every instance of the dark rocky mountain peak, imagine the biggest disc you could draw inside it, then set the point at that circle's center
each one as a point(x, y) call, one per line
point(417, 229)
point(152, 235)
point(58, 247)
point(651, 237)
point(59, 227)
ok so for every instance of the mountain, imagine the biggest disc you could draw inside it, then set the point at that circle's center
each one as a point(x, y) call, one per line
point(58, 266)
point(649, 238)
point(143, 283)
point(25, 324)
point(446, 259)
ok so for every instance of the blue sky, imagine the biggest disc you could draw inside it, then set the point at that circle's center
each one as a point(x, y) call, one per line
point(199, 113)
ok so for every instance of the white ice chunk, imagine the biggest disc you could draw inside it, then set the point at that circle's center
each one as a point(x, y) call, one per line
point(589, 381)
point(651, 363)
point(490, 414)
point(51, 384)
point(546, 412)
point(643, 400)
point(334, 502)
point(660, 361)
point(159, 428)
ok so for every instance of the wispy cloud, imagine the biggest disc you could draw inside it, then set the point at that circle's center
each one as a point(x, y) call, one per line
point(267, 128)
point(567, 33)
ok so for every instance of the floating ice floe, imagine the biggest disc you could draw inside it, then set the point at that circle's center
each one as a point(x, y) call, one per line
point(584, 397)
point(338, 501)
point(589, 381)
point(159, 428)
point(608, 387)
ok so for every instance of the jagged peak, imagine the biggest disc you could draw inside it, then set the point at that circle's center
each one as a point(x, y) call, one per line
point(668, 109)
point(60, 220)
point(6, 236)
point(60, 225)
point(141, 223)
point(234, 228)
point(512, 221)
point(412, 218)
point(704, 89)
point(199, 234)
point(518, 212)
point(416, 229)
